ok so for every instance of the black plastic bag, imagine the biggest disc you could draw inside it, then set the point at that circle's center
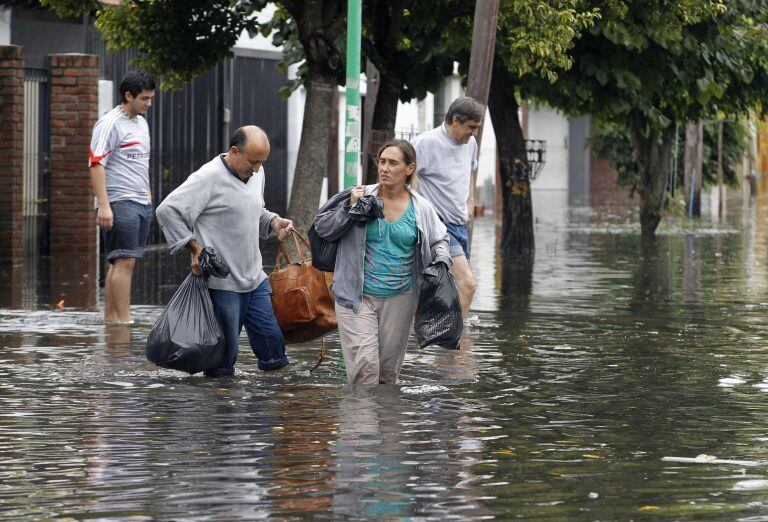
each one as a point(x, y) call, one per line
point(438, 315)
point(367, 208)
point(187, 336)
point(324, 251)
point(211, 264)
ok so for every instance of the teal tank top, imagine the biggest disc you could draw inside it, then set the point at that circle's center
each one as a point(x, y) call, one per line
point(388, 268)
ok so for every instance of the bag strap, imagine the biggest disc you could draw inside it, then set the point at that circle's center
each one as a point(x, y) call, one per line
point(284, 253)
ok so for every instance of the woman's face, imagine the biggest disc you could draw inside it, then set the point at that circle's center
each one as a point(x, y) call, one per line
point(393, 170)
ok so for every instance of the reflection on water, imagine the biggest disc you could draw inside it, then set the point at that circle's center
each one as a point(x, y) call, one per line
point(589, 363)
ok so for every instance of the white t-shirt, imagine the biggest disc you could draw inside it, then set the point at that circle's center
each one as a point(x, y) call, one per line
point(121, 145)
point(445, 166)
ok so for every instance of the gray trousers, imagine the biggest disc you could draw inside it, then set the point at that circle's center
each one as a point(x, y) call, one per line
point(373, 340)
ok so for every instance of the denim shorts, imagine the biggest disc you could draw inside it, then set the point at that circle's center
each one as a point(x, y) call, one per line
point(130, 230)
point(458, 240)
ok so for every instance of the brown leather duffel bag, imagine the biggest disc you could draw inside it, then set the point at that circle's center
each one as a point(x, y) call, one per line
point(301, 296)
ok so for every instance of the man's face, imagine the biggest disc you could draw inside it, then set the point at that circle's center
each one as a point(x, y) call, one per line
point(140, 103)
point(461, 132)
point(248, 160)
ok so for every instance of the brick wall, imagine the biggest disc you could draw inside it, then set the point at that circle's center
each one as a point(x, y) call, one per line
point(74, 110)
point(11, 150)
point(74, 106)
point(603, 190)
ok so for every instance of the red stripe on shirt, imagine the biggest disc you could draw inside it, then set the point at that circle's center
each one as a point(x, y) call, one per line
point(93, 159)
point(124, 145)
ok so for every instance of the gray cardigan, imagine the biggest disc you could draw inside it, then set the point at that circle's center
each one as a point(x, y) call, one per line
point(217, 209)
point(333, 225)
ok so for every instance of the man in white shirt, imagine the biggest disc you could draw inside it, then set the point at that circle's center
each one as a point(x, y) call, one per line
point(119, 168)
point(446, 157)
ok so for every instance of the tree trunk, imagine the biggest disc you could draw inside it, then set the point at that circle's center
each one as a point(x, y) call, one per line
point(319, 26)
point(311, 163)
point(516, 282)
point(517, 212)
point(653, 153)
point(692, 163)
point(371, 91)
point(333, 145)
point(384, 117)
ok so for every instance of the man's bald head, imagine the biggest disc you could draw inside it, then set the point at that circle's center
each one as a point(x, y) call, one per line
point(248, 134)
point(248, 150)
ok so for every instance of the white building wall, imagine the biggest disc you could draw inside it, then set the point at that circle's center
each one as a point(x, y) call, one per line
point(5, 25)
point(416, 115)
point(548, 124)
point(549, 192)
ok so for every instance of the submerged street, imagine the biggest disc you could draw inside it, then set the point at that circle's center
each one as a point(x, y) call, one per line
point(582, 369)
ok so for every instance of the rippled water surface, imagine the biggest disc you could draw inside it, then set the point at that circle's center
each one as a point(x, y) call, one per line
point(583, 369)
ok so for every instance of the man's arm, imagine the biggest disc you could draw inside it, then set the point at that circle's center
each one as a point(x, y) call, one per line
point(180, 209)
point(471, 198)
point(195, 248)
point(104, 216)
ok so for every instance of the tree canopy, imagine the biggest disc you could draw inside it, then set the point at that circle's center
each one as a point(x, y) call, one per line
point(179, 41)
point(653, 63)
point(665, 61)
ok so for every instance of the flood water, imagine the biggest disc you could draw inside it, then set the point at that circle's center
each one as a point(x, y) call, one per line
point(583, 369)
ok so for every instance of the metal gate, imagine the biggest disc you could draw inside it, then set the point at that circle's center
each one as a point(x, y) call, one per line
point(36, 170)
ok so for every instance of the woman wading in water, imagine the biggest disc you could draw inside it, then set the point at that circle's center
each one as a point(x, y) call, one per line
point(379, 264)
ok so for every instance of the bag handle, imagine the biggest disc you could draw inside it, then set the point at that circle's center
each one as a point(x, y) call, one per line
point(284, 253)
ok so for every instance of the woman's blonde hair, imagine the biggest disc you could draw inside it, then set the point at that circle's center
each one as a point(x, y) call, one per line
point(409, 157)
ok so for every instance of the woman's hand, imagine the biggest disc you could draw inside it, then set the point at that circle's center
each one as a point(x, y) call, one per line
point(357, 193)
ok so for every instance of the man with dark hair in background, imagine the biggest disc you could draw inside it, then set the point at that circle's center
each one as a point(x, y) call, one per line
point(446, 157)
point(221, 205)
point(119, 168)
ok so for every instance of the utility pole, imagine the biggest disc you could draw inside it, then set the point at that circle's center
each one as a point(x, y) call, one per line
point(481, 59)
point(481, 68)
point(352, 113)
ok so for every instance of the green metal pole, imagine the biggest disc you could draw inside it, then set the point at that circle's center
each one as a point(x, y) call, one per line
point(352, 120)
point(352, 112)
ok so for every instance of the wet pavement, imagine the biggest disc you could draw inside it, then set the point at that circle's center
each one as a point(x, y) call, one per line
point(583, 369)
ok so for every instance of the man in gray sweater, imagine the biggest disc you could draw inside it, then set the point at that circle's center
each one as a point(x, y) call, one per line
point(222, 206)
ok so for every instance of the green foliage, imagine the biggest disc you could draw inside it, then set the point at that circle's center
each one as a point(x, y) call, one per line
point(664, 61)
point(410, 40)
point(72, 8)
point(285, 34)
point(328, 45)
point(178, 40)
point(535, 37)
point(612, 141)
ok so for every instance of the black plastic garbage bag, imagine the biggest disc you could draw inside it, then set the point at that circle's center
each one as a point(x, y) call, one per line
point(324, 251)
point(187, 336)
point(367, 208)
point(438, 315)
point(211, 264)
